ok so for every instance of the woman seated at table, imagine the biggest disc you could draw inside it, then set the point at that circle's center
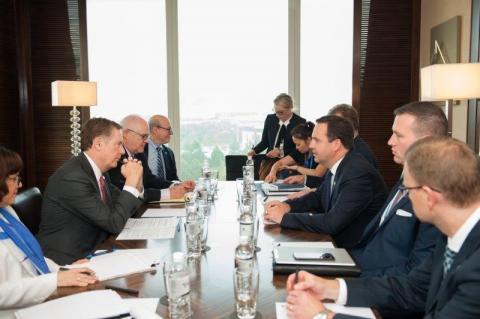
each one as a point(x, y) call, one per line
point(26, 276)
point(300, 160)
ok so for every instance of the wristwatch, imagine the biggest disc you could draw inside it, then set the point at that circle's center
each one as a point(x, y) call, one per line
point(321, 315)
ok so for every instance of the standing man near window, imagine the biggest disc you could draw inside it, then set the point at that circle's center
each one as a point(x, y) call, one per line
point(276, 130)
point(161, 159)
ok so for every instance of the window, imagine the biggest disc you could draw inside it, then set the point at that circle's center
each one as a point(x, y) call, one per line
point(326, 56)
point(233, 61)
point(126, 56)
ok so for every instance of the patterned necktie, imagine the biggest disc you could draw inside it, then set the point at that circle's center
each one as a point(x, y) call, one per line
point(398, 196)
point(448, 258)
point(160, 163)
point(103, 189)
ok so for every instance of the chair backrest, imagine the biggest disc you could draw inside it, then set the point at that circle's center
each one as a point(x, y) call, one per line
point(233, 166)
point(234, 163)
point(28, 206)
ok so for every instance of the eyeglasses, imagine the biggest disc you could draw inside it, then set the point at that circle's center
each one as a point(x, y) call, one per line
point(280, 112)
point(17, 179)
point(169, 129)
point(143, 136)
point(406, 189)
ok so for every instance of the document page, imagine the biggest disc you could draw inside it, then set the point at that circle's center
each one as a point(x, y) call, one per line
point(149, 228)
point(164, 212)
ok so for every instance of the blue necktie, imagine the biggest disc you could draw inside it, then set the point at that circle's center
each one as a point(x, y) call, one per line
point(160, 163)
point(448, 258)
point(24, 240)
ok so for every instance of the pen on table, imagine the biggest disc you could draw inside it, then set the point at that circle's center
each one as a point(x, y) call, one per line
point(296, 275)
point(90, 256)
point(265, 199)
point(122, 289)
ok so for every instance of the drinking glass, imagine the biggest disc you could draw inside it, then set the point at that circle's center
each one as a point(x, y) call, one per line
point(246, 290)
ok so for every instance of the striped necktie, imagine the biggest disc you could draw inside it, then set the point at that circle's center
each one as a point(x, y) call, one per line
point(160, 163)
point(448, 258)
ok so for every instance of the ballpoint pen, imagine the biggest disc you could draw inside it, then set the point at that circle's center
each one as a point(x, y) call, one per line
point(90, 256)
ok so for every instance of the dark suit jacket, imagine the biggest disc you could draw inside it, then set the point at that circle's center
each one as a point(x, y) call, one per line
point(362, 148)
point(358, 194)
point(74, 218)
point(170, 164)
point(152, 184)
point(400, 244)
point(456, 296)
point(270, 129)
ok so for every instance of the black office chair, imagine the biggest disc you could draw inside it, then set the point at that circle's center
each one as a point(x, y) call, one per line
point(233, 166)
point(28, 206)
point(234, 163)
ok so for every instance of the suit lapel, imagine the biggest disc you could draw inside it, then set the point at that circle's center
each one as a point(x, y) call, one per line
point(85, 164)
point(372, 228)
point(438, 284)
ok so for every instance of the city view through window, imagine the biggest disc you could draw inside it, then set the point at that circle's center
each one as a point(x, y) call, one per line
point(233, 61)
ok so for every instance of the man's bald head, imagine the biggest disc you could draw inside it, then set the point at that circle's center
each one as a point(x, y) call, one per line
point(160, 129)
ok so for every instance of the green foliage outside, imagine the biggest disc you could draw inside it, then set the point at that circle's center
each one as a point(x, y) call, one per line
point(200, 141)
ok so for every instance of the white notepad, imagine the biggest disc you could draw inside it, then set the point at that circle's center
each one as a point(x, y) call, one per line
point(119, 263)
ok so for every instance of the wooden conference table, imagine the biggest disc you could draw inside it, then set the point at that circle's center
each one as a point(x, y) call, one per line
point(212, 274)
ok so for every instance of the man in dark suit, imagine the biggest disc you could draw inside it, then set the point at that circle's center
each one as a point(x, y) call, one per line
point(395, 241)
point(80, 206)
point(276, 131)
point(359, 145)
point(442, 178)
point(161, 159)
point(135, 135)
point(350, 196)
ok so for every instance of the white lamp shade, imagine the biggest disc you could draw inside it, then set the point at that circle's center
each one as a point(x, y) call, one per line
point(74, 93)
point(456, 81)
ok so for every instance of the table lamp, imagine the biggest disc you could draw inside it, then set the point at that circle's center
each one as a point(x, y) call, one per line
point(74, 94)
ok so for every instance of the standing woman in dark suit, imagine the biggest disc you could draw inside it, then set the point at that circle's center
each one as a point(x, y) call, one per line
point(276, 132)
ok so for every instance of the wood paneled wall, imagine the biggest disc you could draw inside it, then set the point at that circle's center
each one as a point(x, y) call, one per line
point(35, 49)
point(390, 77)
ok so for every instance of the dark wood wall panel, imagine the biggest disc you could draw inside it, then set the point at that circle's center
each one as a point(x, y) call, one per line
point(388, 74)
point(52, 59)
point(9, 119)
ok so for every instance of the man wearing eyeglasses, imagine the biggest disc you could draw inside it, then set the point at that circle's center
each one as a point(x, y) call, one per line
point(442, 179)
point(135, 136)
point(395, 241)
point(161, 159)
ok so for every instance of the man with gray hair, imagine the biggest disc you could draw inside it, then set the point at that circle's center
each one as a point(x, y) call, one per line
point(135, 135)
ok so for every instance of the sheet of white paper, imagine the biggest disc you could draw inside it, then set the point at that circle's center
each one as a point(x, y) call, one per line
point(116, 264)
point(281, 309)
point(149, 228)
point(164, 212)
point(146, 223)
point(90, 304)
point(143, 308)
